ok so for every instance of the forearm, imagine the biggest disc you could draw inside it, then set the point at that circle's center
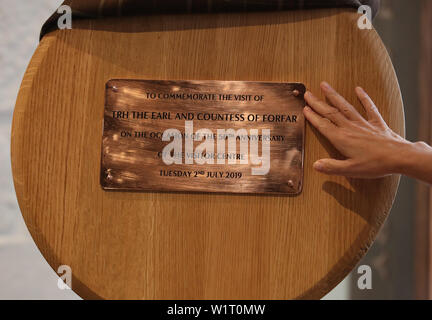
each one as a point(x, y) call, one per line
point(415, 160)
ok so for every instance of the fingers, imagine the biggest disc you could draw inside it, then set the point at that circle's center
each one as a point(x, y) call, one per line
point(323, 125)
point(340, 103)
point(334, 167)
point(369, 106)
point(329, 112)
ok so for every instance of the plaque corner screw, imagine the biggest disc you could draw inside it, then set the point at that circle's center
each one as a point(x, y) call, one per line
point(108, 174)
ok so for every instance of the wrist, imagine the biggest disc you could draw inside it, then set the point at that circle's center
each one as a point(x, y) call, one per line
point(409, 156)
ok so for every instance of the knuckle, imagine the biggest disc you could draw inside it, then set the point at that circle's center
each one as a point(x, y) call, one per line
point(326, 167)
point(380, 127)
point(364, 100)
point(373, 108)
point(335, 168)
point(422, 144)
point(333, 95)
point(348, 133)
point(345, 109)
point(388, 131)
point(324, 123)
point(332, 113)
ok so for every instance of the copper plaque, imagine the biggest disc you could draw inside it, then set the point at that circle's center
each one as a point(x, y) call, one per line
point(203, 136)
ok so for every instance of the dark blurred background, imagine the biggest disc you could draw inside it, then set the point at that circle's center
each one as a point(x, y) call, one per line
point(392, 255)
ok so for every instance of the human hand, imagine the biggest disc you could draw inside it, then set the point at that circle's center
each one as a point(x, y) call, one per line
point(371, 148)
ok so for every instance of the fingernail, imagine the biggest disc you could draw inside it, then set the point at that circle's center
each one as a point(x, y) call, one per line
point(326, 85)
point(308, 93)
point(318, 165)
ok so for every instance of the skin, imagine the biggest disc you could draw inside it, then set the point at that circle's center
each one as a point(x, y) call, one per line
point(371, 149)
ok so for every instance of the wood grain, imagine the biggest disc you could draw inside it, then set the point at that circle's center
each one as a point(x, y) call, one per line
point(183, 245)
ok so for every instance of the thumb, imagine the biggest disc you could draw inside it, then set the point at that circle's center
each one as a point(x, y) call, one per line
point(334, 167)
